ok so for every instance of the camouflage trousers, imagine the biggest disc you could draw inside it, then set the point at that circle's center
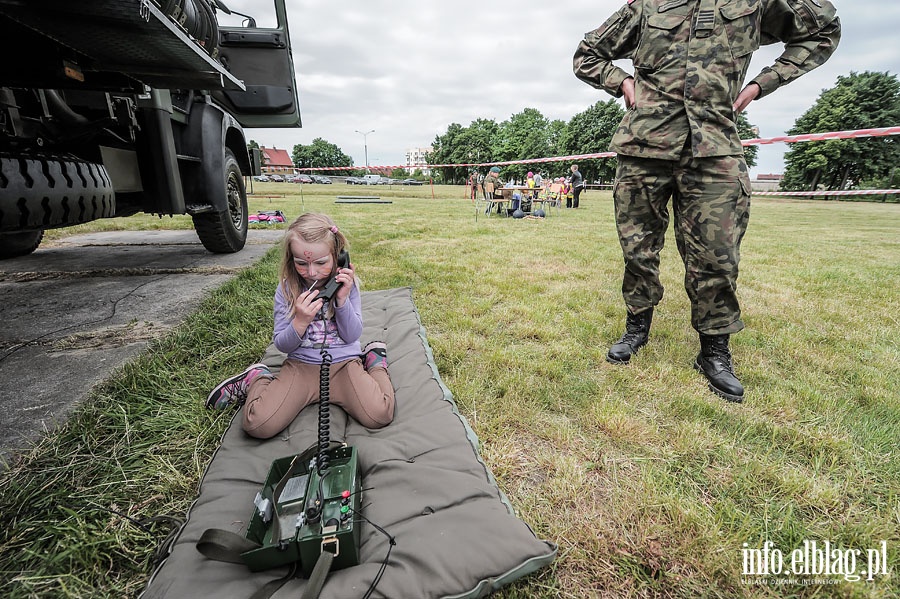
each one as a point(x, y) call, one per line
point(711, 205)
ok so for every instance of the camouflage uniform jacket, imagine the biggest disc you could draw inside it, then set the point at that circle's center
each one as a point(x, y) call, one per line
point(690, 59)
point(492, 184)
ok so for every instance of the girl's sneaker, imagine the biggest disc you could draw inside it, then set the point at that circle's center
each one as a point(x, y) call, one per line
point(232, 392)
point(375, 355)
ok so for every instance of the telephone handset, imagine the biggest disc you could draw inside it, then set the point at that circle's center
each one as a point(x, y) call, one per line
point(327, 292)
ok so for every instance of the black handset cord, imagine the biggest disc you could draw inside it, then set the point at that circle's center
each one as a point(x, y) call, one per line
point(325, 440)
point(313, 510)
point(324, 398)
point(324, 412)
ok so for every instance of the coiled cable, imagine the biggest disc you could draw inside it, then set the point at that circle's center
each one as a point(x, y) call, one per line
point(324, 412)
point(314, 507)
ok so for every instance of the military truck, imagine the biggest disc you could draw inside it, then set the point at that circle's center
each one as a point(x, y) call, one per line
point(115, 107)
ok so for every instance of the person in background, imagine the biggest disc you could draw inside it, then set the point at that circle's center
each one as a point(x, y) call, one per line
point(491, 187)
point(473, 183)
point(678, 140)
point(577, 184)
point(566, 191)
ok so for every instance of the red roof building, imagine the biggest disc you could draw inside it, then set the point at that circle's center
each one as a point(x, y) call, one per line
point(276, 161)
point(766, 182)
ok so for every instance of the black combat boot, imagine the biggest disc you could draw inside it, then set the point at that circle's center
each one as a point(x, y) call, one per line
point(637, 331)
point(714, 362)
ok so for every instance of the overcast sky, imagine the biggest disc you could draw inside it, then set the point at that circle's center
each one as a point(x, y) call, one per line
point(408, 69)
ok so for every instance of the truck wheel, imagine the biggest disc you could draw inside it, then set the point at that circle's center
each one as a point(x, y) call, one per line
point(226, 232)
point(13, 245)
point(43, 192)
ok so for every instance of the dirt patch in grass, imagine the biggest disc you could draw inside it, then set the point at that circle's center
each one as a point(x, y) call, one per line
point(109, 337)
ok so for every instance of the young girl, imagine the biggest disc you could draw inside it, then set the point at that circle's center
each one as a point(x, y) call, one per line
point(304, 324)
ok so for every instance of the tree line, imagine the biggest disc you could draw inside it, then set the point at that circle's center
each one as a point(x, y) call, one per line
point(526, 135)
point(529, 134)
point(865, 100)
point(857, 101)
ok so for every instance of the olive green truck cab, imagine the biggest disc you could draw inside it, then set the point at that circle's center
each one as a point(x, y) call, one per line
point(115, 107)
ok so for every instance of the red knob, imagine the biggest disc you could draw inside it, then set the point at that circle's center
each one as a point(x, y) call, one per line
point(345, 494)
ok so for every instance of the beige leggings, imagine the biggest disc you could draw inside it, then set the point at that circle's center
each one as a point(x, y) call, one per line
point(272, 404)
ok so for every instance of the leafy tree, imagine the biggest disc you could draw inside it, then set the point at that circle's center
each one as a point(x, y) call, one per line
point(443, 149)
point(858, 101)
point(479, 142)
point(556, 134)
point(590, 132)
point(525, 135)
point(464, 145)
point(319, 153)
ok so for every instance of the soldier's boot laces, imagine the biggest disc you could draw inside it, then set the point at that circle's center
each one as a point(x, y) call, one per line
point(637, 332)
point(714, 362)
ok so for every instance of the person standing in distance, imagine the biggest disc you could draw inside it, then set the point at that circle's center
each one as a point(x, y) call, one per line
point(678, 139)
point(577, 186)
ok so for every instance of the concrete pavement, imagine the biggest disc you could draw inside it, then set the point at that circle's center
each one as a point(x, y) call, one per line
point(78, 308)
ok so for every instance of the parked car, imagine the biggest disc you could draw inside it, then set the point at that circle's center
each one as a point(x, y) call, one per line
point(301, 178)
point(411, 182)
point(321, 179)
point(276, 178)
point(354, 181)
point(387, 181)
point(262, 178)
point(372, 179)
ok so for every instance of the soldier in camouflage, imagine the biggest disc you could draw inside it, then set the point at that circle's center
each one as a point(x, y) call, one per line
point(679, 140)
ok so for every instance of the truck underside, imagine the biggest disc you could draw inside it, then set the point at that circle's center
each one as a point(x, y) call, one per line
point(112, 107)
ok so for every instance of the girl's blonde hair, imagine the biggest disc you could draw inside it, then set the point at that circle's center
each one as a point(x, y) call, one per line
point(311, 228)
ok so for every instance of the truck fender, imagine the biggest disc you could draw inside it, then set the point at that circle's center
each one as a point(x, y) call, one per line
point(210, 130)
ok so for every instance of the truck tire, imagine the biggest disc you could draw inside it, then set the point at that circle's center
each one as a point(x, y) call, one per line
point(13, 245)
point(226, 232)
point(43, 192)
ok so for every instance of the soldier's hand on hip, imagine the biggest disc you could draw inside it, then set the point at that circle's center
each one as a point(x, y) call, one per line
point(747, 95)
point(628, 92)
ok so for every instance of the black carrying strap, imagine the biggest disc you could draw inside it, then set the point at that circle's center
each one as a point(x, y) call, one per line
point(224, 545)
point(319, 573)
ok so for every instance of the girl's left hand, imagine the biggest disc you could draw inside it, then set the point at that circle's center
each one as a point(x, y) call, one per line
point(346, 276)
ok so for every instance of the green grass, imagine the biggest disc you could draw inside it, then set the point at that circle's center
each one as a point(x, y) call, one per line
point(649, 483)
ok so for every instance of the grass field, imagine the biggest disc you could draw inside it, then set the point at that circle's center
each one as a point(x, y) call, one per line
point(650, 485)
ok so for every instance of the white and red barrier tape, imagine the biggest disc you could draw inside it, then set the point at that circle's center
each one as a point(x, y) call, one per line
point(852, 192)
point(879, 132)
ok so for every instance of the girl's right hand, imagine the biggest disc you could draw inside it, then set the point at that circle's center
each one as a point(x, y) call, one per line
point(306, 306)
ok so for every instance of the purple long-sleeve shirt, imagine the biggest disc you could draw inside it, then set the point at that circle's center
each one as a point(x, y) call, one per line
point(340, 333)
